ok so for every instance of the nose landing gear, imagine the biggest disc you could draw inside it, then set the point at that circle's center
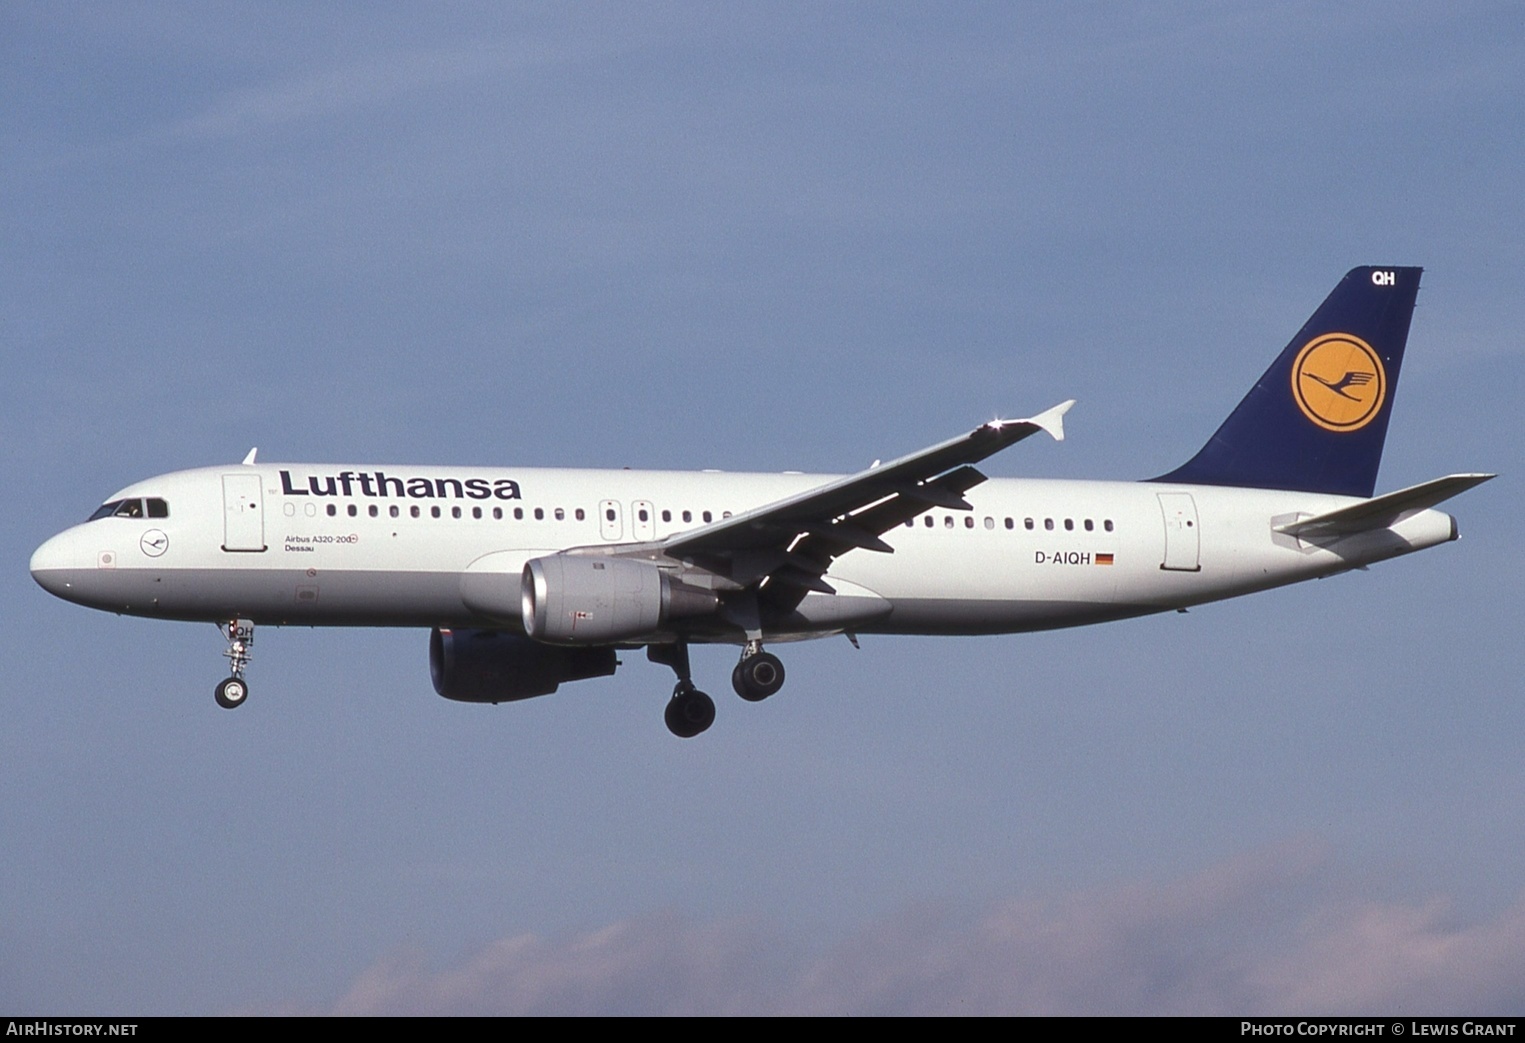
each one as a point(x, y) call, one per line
point(232, 692)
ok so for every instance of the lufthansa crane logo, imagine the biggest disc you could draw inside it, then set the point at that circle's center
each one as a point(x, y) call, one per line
point(1338, 382)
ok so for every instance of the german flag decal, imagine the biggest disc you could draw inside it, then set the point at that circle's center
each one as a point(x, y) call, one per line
point(1103, 559)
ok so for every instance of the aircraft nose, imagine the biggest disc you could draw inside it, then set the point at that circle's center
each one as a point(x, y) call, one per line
point(54, 565)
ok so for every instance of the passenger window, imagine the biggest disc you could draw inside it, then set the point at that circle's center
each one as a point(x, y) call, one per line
point(1090, 525)
point(1107, 525)
point(1028, 524)
point(1010, 524)
point(476, 512)
point(706, 517)
point(688, 516)
point(434, 512)
point(414, 511)
point(497, 514)
point(968, 521)
point(561, 514)
point(540, 514)
point(332, 510)
point(929, 521)
point(725, 514)
point(518, 514)
point(1048, 523)
point(643, 514)
point(909, 522)
point(394, 511)
point(989, 523)
point(667, 515)
point(373, 510)
point(455, 512)
point(947, 521)
point(579, 514)
point(1069, 525)
point(609, 514)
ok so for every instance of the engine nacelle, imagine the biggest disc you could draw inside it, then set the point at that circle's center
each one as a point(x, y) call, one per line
point(573, 599)
point(493, 666)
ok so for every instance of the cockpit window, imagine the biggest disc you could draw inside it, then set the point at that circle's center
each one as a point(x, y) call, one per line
point(153, 507)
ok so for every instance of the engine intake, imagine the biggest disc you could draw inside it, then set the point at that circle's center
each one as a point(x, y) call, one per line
point(570, 599)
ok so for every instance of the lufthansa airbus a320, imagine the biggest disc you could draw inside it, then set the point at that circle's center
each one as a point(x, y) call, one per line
point(528, 578)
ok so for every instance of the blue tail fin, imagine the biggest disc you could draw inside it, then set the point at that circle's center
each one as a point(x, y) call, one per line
point(1316, 420)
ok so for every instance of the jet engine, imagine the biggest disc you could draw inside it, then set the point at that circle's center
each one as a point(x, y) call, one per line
point(494, 666)
point(570, 599)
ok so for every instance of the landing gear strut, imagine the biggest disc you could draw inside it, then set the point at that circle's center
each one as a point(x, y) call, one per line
point(232, 692)
point(758, 675)
point(689, 711)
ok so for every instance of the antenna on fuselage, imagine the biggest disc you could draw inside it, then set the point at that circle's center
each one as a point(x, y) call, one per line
point(249, 460)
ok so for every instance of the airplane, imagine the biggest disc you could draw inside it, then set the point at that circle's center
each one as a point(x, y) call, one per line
point(530, 578)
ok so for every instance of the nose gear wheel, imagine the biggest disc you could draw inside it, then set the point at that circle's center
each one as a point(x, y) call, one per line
point(232, 692)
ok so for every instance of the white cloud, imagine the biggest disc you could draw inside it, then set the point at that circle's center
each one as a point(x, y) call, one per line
point(372, 81)
point(655, 965)
point(1256, 935)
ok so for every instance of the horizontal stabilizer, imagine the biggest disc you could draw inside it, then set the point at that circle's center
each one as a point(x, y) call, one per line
point(1383, 511)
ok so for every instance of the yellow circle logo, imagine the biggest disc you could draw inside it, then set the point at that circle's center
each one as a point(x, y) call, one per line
point(1338, 382)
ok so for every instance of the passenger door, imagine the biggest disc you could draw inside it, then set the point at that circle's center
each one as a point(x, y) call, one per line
point(1183, 542)
point(243, 513)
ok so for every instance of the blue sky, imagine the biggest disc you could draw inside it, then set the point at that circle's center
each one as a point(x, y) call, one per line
point(758, 237)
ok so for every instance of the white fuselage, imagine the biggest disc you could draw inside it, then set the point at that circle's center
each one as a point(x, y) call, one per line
point(350, 545)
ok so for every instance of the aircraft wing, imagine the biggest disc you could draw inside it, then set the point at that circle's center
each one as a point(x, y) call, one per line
point(793, 541)
point(1382, 511)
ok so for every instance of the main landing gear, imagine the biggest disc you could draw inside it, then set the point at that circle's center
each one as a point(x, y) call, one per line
point(690, 711)
point(233, 691)
point(758, 675)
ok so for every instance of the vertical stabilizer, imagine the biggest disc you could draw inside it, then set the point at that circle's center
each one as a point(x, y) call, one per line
point(1316, 420)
